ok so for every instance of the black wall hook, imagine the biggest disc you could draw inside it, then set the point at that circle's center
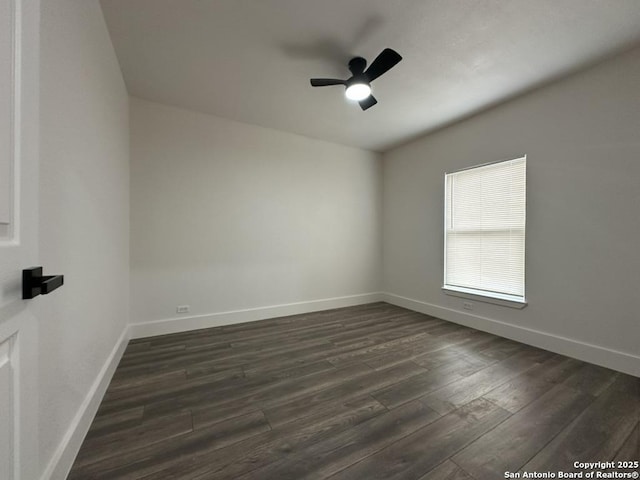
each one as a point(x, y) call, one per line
point(34, 283)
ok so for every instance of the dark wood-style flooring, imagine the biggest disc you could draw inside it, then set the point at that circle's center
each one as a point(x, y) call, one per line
point(359, 393)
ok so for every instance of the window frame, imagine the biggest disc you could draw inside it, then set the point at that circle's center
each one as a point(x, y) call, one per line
point(497, 298)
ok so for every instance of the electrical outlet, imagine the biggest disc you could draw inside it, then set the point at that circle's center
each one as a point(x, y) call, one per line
point(182, 309)
point(467, 305)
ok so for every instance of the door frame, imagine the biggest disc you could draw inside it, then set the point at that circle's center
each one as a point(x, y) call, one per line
point(19, 245)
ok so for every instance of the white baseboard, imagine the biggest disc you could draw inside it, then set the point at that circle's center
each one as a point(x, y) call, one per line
point(182, 324)
point(64, 456)
point(620, 361)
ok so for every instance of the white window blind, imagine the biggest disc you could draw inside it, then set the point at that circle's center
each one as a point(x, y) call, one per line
point(485, 213)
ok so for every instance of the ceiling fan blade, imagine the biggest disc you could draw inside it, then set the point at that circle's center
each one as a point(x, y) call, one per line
point(325, 82)
point(383, 63)
point(368, 102)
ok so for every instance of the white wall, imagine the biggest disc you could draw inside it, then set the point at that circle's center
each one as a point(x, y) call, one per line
point(227, 216)
point(582, 140)
point(84, 217)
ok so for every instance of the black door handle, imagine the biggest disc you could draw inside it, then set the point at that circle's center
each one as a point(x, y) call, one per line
point(34, 283)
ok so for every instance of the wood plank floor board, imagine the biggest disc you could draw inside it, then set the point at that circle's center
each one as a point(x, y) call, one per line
point(439, 358)
point(419, 452)
point(203, 454)
point(255, 421)
point(473, 346)
point(115, 421)
point(308, 334)
point(627, 384)
point(218, 382)
point(480, 341)
point(591, 379)
point(384, 331)
point(374, 380)
point(191, 356)
point(598, 432)
point(207, 363)
point(501, 349)
point(137, 345)
point(146, 433)
point(630, 450)
point(268, 367)
point(345, 333)
point(347, 346)
point(292, 371)
point(215, 436)
point(413, 352)
point(167, 391)
point(348, 315)
point(461, 337)
point(557, 369)
point(518, 392)
point(422, 384)
point(447, 470)
point(201, 361)
point(266, 394)
point(478, 384)
point(392, 325)
point(373, 391)
point(124, 383)
point(129, 358)
point(400, 325)
point(216, 339)
point(174, 385)
point(535, 382)
point(424, 353)
point(291, 438)
point(346, 448)
point(330, 331)
point(517, 439)
point(446, 328)
point(371, 351)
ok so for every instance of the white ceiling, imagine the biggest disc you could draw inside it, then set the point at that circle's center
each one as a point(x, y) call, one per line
point(251, 60)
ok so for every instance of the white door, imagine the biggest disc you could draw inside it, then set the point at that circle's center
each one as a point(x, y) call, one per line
point(19, 85)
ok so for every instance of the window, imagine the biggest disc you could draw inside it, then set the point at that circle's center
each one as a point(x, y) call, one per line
point(485, 212)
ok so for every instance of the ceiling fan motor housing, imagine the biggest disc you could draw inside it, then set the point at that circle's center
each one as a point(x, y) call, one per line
point(357, 65)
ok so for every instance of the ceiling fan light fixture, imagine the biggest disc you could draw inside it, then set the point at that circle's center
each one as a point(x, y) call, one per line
point(358, 91)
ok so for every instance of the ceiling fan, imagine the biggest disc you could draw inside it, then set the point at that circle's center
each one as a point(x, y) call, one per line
point(358, 86)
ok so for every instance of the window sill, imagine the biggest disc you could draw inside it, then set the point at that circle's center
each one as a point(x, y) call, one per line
point(504, 302)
